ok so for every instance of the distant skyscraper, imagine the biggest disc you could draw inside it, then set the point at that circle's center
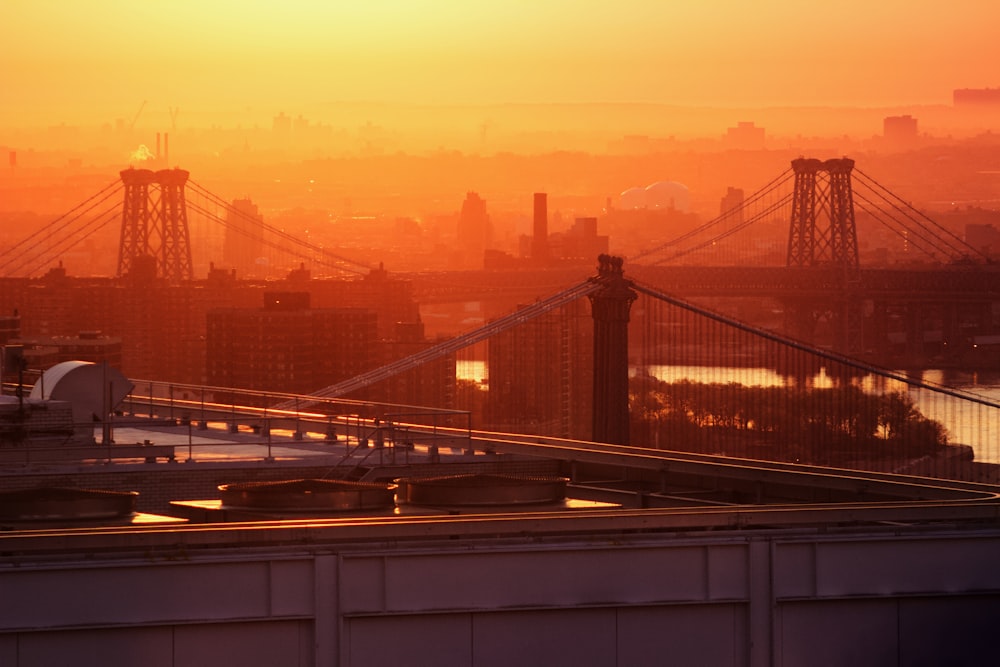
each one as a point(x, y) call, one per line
point(732, 201)
point(282, 124)
point(971, 97)
point(540, 238)
point(474, 230)
point(899, 131)
point(243, 244)
point(745, 135)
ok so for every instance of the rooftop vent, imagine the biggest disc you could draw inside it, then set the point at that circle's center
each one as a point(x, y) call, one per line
point(481, 490)
point(307, 495)
point(60, 504)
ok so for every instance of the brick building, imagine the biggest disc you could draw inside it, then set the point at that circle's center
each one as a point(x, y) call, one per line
point(287, 346)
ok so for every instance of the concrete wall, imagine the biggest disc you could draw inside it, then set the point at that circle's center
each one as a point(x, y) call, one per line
point(860, 597)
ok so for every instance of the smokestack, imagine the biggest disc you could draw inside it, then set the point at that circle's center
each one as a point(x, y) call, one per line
point(166, 150)
point(540, 240)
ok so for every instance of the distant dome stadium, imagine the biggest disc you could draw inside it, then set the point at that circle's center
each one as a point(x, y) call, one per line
point(662, 195)
point(632, 198)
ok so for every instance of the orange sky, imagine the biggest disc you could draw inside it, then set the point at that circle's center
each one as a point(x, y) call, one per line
point(95, 60)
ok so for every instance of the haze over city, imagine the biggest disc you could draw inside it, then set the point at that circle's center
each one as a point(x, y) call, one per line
point(539, 332)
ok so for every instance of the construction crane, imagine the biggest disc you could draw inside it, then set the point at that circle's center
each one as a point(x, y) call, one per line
point(136, 116)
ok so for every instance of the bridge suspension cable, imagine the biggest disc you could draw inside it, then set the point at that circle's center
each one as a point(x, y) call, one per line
point(766, 191)
point(914, 238)
point(451, 345)
point(59, 245)
point(767, 211)
point(334, 260)
point(821, 353)
point(943, 235)
point(61, 233)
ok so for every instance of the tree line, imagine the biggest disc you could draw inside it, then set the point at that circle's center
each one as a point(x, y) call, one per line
point(822, 426)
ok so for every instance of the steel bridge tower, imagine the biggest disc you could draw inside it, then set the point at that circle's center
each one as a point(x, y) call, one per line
point(823, 232)
point(610, 306)
point(154, 224)
point(823, 237)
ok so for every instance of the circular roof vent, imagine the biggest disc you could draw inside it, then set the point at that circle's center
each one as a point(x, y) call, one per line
point(481, 490)
point(308, 495)
point(59, 504)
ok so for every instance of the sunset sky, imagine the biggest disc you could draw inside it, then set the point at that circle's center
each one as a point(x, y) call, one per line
point(95, 60)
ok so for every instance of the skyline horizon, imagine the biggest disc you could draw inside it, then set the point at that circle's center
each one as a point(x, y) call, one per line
point(75, 61)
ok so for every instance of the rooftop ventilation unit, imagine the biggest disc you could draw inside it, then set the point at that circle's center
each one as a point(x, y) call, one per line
point(62, 505)
point(482, 490)
point(307, 495)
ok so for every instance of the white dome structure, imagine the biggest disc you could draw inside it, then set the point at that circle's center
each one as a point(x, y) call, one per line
point(93, 390)
point(659, 196)
point(667, 195)
point(633, 198)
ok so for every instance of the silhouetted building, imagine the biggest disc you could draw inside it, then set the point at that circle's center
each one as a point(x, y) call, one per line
point(286, 346)
point(732, 203)
point(541, 375)
point(580, 242)
point(10, 327)
point(162, 328)
point(282, 124)
point(43, 352)
point(243, 246)
point(431, 384)
point(540, 228)
point(899, 131)
point(984, 238)
point(971, 97)
point(745, 136)
point(474, 230)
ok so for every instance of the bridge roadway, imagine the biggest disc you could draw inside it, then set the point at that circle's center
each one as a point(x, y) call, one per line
point(904, 568)
point(967, 283)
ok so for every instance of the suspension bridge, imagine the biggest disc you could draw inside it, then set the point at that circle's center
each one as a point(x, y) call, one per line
point(734, 560)
point(633, 359)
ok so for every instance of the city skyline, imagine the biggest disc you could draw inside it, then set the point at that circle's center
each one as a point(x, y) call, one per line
point(88, 63)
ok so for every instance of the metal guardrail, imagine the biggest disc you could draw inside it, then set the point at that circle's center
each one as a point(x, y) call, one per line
point(391, 429)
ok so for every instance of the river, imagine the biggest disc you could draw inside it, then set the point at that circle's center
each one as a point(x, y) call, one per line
point(972, 420)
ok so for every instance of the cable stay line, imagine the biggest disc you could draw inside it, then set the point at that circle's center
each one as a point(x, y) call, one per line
point(68, 242)
point(298, 253)
point(822, 353)
point(66, 219)
point(764, 191)
point(40, 254)
point(729, 232)
point(904, 232)
point(451, 345)
point(906, 208)
point(201, 190)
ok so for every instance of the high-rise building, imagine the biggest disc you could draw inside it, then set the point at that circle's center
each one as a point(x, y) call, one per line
point(899, 131)
point(162, 327)
point(972, 97)
point(540, 229)
point(474, 230)
point(243, 246)
point(745, 136)
point(732, 204)
point(541, 374)
point(286, 346)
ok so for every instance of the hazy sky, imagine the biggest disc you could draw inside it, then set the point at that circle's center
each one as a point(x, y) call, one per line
point(94, 60)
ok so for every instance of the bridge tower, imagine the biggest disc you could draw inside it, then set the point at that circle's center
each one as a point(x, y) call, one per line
point(823, 232)
point(610, 308)
point(154, 224)
point(823, 237)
